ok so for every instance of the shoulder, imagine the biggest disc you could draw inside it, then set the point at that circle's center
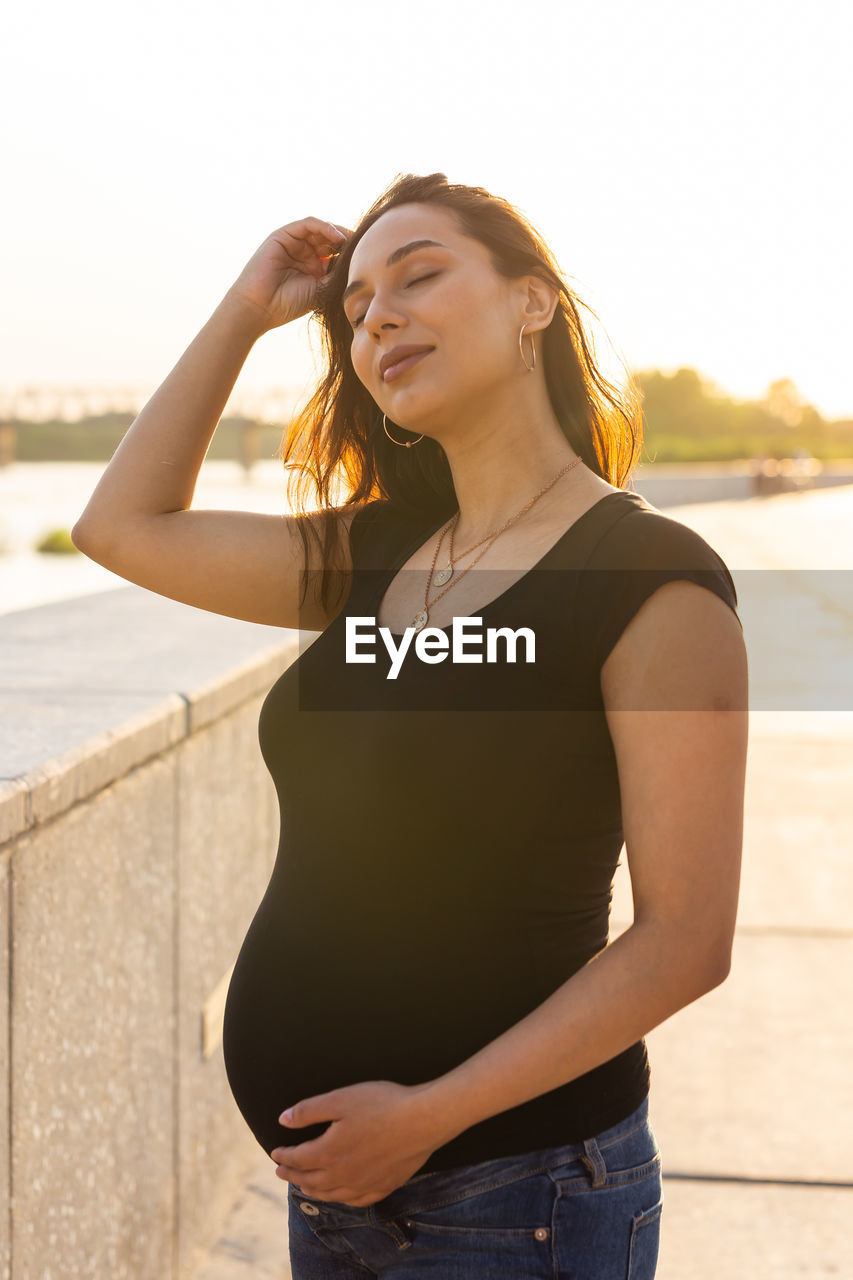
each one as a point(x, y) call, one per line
point(643, 537)
point(650, 574)
point(643, 547)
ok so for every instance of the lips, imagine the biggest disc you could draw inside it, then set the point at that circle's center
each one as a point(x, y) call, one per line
point(397, 354)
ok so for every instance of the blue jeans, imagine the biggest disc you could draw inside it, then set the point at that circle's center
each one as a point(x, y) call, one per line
point(587, 1211)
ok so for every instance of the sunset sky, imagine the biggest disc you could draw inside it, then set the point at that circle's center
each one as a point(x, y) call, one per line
point(688, 164)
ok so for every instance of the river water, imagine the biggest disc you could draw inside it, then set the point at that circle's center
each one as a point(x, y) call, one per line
point(36, 497)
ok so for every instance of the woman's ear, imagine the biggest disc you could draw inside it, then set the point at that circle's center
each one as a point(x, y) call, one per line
point(539, 302)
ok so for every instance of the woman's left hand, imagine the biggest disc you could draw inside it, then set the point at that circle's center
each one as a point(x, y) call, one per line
point(381, 1133)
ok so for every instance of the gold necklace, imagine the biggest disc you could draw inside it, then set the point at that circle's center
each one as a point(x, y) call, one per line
point(420, 619)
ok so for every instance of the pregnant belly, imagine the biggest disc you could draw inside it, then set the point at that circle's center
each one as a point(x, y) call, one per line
point(308, 1011)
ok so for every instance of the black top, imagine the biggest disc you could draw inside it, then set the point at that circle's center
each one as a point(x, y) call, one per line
point(448, 838)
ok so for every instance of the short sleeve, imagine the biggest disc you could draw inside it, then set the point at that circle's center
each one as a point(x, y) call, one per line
point(364, 531)
point(640, 553)
point(380, 529)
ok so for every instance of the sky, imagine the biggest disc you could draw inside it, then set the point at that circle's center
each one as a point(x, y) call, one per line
point(688, 165)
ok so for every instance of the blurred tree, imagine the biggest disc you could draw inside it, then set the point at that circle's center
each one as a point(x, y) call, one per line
point(689, 417)
point(683, 403)
point(783, 402)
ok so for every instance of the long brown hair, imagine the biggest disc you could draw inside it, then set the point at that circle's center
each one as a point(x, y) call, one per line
point(339, 438)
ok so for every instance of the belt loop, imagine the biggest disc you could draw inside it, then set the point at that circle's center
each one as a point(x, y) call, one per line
point(594, 1161)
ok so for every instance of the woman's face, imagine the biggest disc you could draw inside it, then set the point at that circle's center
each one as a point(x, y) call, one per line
point(445, 296)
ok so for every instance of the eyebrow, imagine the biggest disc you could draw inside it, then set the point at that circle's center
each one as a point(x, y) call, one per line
point(396, 256)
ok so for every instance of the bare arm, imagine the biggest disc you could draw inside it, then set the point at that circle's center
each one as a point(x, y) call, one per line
point(138, 521)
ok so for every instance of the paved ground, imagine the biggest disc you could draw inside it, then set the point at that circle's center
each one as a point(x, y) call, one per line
point(752, 1099)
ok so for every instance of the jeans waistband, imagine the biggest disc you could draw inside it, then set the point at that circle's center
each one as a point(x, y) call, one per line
point(423, 1189)
point(551, 1156)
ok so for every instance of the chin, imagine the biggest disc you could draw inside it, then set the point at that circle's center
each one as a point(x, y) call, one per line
point(423, 412)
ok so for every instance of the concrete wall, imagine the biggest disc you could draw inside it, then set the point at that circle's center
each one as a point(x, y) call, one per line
point(138, 829)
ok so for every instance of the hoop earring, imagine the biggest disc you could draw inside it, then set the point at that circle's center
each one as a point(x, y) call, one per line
point(528, 367)
point(407, 444)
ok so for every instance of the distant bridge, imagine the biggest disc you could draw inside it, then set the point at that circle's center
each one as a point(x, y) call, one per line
point(72, 403)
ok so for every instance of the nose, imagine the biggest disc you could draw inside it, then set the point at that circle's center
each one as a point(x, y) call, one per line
point(382, 314)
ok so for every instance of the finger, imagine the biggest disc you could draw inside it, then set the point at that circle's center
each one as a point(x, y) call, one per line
point(304, 1160)
point(298, 249)
point(314, 1110)
point(309, 226)
point(305, 248)
point(315, 229)
point(324, 246)
point(337, 1194)
point(290, 1174)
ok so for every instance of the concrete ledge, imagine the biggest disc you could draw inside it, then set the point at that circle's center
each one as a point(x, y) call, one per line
point(92, 687)
point(219, 696)
point(13, 807)
point(58, 784)
point(667, 484)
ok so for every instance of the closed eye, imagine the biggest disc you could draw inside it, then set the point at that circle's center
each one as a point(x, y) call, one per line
point(358, 319)
point(420, 278)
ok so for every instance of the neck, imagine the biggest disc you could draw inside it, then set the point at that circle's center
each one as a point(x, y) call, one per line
point(501, 459)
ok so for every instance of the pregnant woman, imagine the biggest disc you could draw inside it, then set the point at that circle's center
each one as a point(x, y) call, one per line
point(428, 1028)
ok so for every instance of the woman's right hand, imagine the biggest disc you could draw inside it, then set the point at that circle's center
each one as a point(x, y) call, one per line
point(281, 278)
